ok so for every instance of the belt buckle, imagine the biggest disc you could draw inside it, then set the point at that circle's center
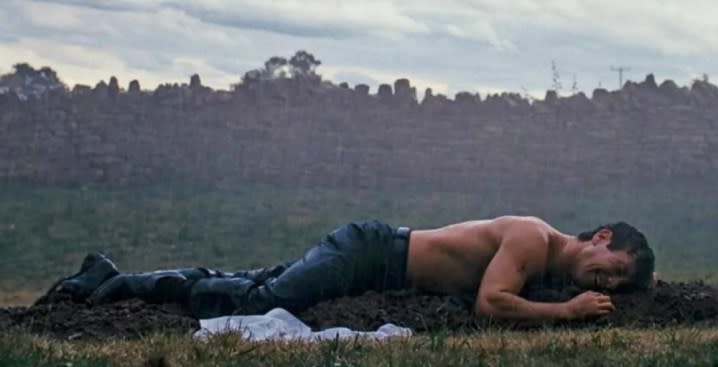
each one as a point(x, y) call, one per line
point(402, 232)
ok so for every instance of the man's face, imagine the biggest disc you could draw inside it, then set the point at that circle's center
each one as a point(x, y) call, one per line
point(600, 268)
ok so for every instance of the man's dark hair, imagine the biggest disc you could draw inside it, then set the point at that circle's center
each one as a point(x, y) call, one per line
point(627, 238)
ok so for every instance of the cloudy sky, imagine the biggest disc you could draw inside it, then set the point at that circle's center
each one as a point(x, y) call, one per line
point(475, 45)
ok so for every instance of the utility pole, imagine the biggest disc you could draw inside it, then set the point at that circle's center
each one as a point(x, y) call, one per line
point(574, 85)
point(555, 77)
point(620, 71)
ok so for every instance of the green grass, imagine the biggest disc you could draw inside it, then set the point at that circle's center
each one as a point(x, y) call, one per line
point(45, 231)
point(608, 347)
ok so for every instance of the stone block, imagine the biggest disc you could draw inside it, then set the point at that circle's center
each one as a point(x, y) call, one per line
point(361, 89)
point(134, 86)
point(384, 91)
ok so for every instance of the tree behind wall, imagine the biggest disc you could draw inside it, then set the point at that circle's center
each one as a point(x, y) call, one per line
point(303, 64)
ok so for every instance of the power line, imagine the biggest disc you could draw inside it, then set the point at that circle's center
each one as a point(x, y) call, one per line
point(620, 71)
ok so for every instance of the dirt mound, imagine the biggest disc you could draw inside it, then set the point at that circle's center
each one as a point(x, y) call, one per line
point(62, 318)
point(669, 303)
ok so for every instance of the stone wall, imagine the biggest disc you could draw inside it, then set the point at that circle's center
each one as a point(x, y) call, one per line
point(311, 133)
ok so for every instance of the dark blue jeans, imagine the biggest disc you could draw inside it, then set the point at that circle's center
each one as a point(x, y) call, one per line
point(354, 258)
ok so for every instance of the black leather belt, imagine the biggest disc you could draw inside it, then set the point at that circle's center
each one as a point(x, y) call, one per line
point(395, 277)
point(402, 232)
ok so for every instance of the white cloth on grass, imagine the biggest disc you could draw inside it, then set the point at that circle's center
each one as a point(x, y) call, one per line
point(279, 324)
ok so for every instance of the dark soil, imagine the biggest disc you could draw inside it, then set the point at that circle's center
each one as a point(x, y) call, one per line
point(60, 317)
point(668, 304)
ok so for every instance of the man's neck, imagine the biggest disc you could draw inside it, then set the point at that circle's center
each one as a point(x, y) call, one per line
point(566, 254)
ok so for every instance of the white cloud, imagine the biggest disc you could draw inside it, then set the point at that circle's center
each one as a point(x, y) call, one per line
point(56, 20)
point(481, 32)
point(330, 19)
point(476, 45)
point(671, 27)
point(92, 64)
point(114, 5)
point(142, 39)
point(322, 19)
point(461, 20)
point(82, 65)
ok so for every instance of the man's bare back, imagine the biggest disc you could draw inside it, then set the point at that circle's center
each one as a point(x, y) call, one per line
point(453, 259)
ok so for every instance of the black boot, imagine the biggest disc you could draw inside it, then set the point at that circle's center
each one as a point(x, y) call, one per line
point(163, 286)
point(95, 269)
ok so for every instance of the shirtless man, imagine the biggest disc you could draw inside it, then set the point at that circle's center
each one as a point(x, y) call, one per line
point(493, 257)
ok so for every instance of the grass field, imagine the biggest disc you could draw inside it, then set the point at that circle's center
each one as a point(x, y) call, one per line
point(608, 347)
point(45, 232)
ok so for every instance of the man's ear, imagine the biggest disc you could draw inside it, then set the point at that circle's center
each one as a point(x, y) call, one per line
point(603, 235)
point(654, 280)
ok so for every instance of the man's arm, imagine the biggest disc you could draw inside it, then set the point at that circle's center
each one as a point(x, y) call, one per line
point(522, 253)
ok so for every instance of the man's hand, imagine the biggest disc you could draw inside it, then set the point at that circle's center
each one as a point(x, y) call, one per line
point(589, 303)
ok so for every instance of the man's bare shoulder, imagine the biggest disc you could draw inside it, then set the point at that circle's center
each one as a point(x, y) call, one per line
point(528, 226)
point(527, 240)
point(518, 229)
